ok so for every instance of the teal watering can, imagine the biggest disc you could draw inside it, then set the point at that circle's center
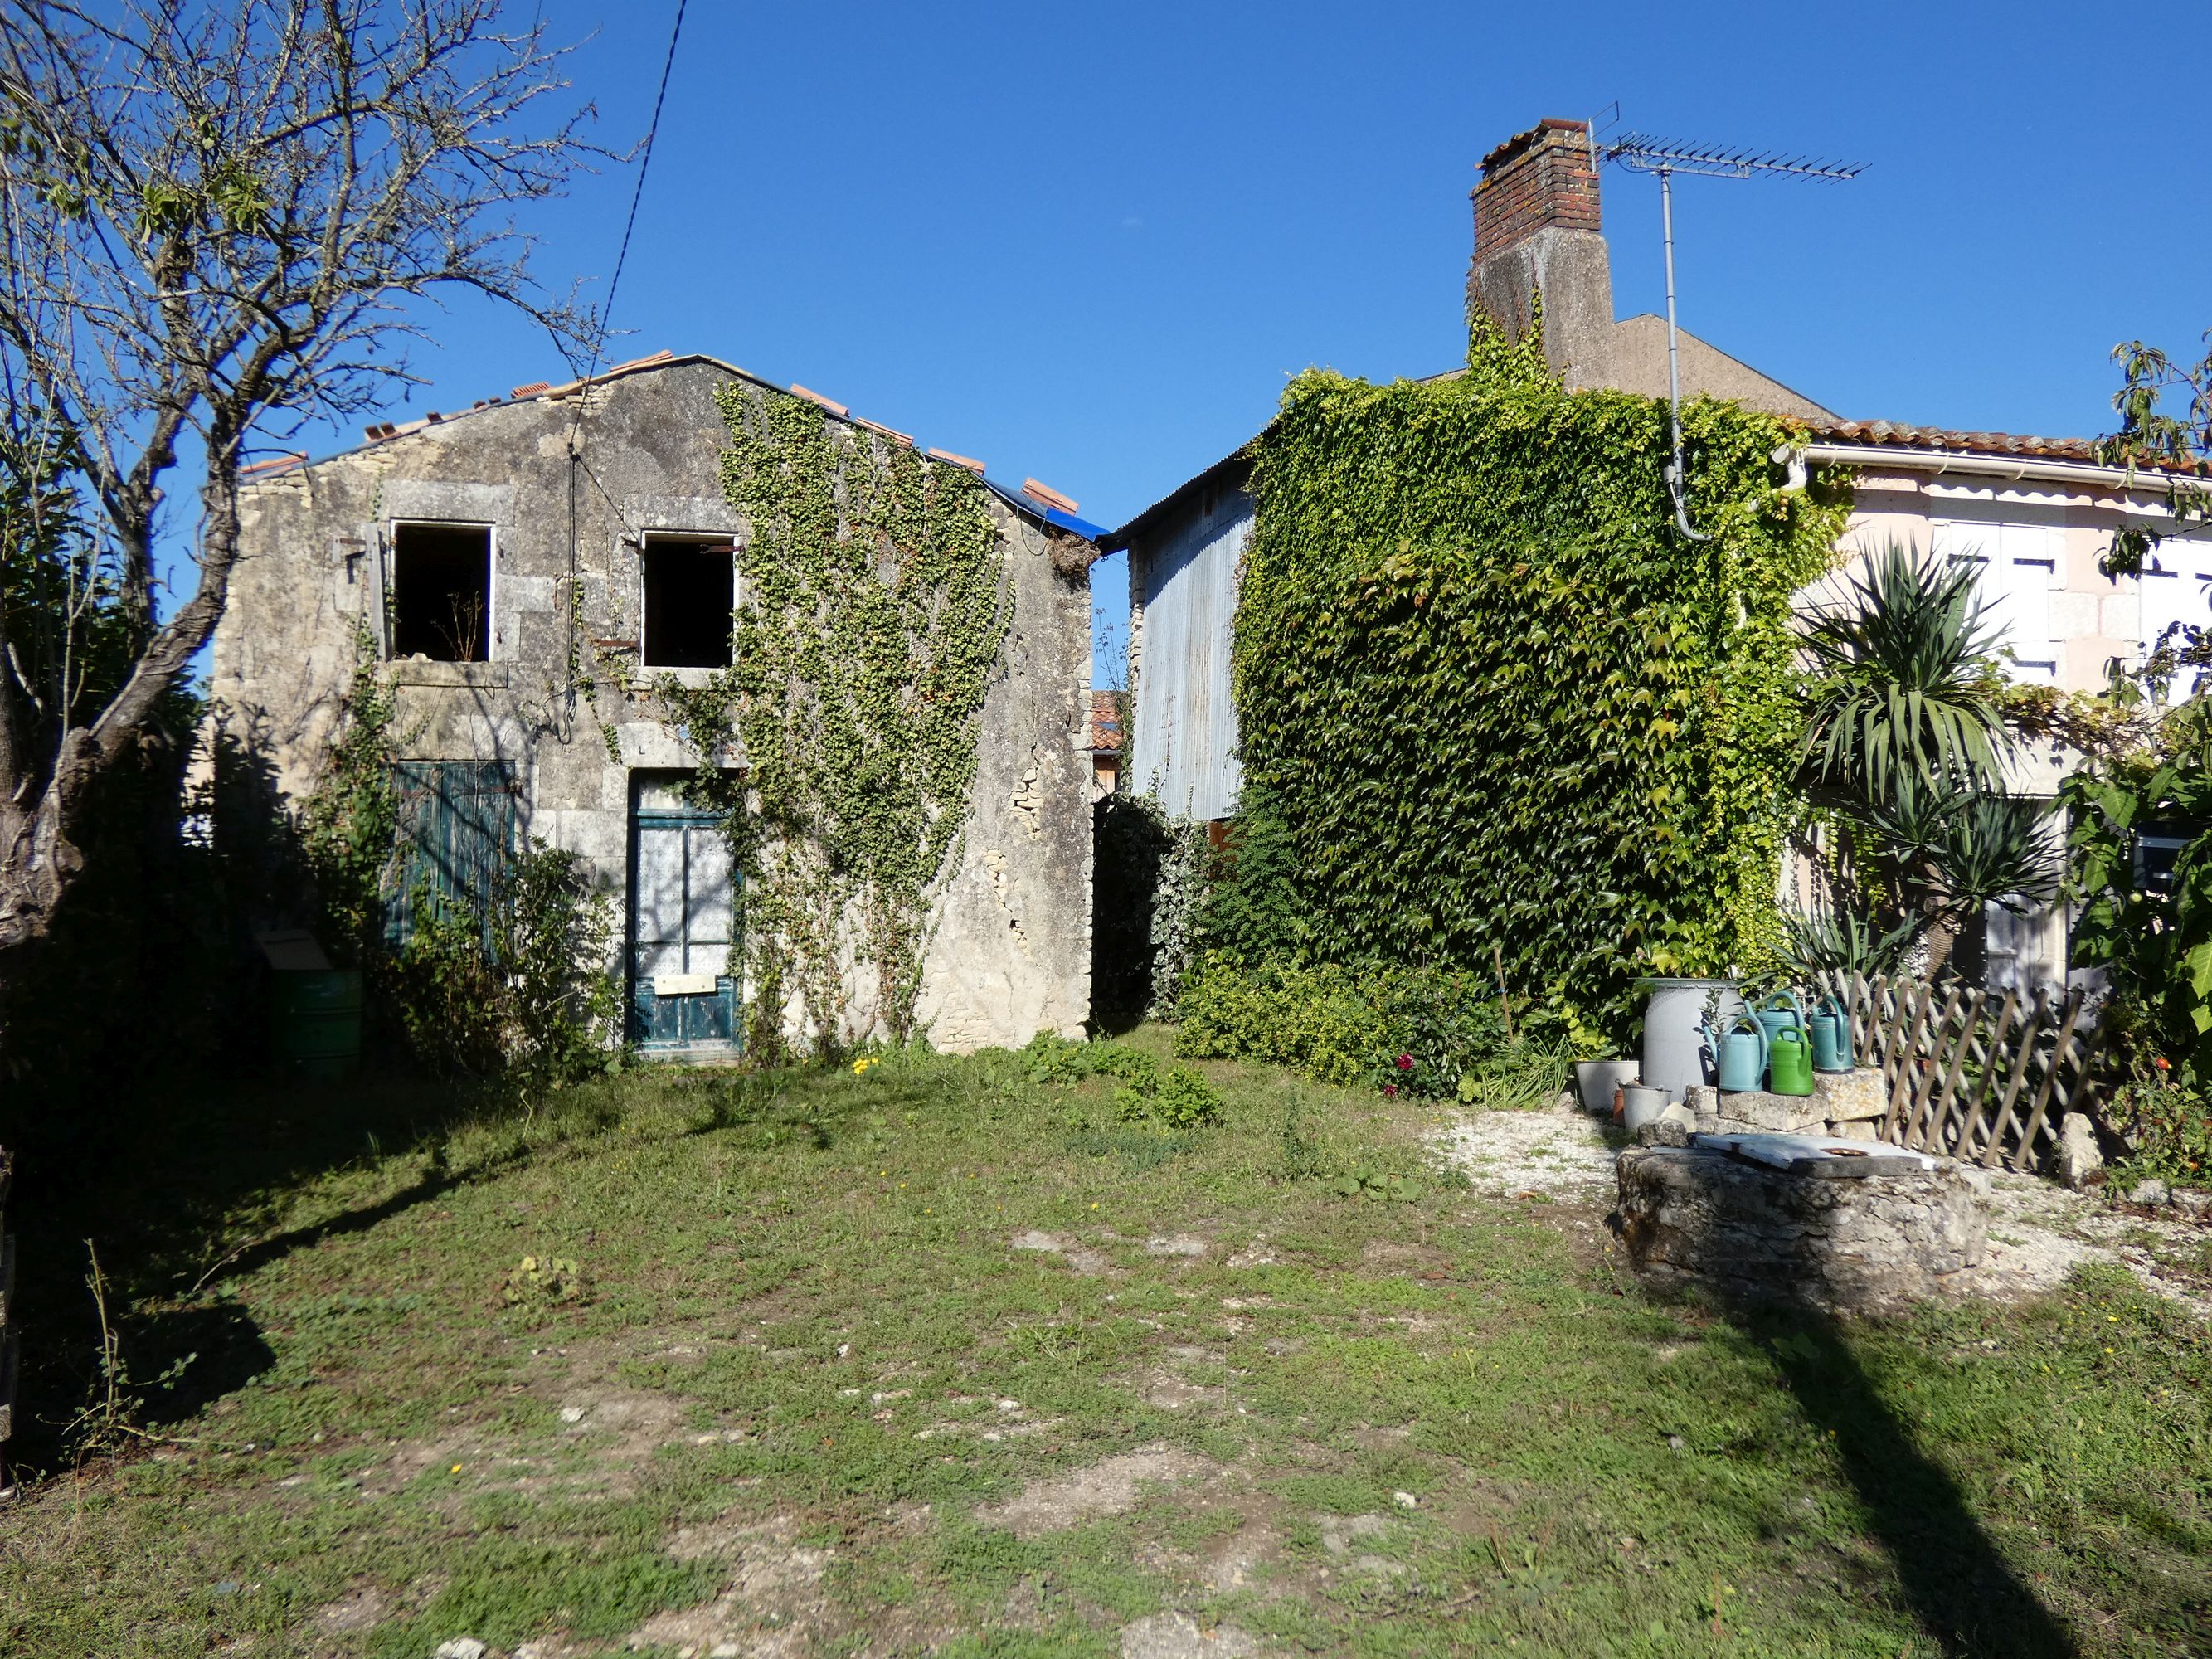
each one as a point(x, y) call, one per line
point(1789, 1062)
point(1739, 1054)
point(1782, 1012)
point(1832, 1036)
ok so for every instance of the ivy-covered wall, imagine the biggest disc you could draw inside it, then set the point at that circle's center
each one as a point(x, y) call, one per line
point(1498, 700)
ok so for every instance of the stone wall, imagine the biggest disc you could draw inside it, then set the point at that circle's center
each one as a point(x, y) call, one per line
point(1010, 955)
point(1749, 1233)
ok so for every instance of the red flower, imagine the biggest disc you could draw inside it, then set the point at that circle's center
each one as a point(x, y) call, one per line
point(1390, 1089)
point(1405, 1062)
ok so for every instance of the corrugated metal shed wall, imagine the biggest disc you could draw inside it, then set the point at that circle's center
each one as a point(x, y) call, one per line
point(1183, 745)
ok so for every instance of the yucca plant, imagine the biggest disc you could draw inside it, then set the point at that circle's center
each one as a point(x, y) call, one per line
point(1949, 848)
point(1831, 938)
point(1900, 692)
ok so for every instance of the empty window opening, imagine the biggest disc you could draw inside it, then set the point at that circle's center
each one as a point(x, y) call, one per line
point(442, 592)
point(689, 599)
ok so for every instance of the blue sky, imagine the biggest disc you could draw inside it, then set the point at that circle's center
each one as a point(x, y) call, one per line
point(1091, 244)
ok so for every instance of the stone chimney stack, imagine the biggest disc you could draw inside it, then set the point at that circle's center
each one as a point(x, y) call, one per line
point(1536, 230)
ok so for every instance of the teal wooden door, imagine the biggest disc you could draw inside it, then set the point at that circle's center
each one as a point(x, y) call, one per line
point(456, 836)
point(682, 928)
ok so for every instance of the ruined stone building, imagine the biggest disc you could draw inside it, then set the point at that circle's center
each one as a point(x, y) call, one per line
point(525, 570)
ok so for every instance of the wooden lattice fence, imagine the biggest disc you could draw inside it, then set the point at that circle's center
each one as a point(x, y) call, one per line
point(1972, 1074)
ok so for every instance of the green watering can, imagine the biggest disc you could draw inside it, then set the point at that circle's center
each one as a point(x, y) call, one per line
point(1789, 1062)
point(1739, 1054)
point(1832, 1036)
point(1782, 1012)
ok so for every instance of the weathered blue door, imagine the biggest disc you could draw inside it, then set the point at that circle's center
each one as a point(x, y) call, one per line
point(683, 927)
point(456, 837)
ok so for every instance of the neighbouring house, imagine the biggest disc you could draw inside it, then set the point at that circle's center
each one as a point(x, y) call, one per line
point(526, 570)
point(1105, 743)
point(2034, 513)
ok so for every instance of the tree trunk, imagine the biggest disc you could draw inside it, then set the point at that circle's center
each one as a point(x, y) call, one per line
point(38, 856)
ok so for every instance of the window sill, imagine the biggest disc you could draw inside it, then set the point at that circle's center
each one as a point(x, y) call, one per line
point(644, 677)
point(420, 671)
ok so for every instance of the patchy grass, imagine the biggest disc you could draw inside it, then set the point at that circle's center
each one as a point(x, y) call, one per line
point(805, 1395)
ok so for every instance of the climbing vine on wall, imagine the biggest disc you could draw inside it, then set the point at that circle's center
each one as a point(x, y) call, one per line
point(873, 607)
point(1498, 700)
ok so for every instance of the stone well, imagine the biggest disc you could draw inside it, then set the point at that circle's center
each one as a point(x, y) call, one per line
point(1796, 1218)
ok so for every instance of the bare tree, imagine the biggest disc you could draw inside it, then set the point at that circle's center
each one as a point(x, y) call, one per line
point(218, 219)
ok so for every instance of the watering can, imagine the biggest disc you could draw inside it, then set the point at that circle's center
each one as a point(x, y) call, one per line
point(1832, 1036)
point(1782, 1012)
point(1789, 1062)
point(1739, 1054)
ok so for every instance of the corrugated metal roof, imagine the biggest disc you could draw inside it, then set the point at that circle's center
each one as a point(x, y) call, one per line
point(1231, 469)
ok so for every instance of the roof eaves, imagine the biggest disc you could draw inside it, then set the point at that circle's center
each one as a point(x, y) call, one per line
point(1030, 507)
point(1239, 461)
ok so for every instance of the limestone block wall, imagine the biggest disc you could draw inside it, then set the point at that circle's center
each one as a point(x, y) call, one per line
point(1010, 951)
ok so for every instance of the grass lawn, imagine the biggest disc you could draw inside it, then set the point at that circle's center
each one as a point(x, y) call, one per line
point(939, 1358)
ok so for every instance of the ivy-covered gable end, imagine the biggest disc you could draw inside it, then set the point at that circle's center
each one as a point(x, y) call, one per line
point(1498, 700)
point(874, 604)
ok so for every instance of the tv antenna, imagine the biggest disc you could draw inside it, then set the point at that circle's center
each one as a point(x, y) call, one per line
point(1641, 152)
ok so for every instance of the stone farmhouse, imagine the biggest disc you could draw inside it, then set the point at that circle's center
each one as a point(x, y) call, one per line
point(525, 570)
point(2033, 514)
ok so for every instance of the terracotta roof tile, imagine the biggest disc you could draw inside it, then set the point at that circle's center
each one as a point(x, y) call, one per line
point(1051, 497)
point(1888, 434)
point(1105, 721)
point(813, 397)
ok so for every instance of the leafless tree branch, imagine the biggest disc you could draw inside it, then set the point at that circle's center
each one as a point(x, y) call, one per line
point(218, 220)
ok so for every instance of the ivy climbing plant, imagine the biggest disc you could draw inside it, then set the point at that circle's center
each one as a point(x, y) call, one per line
point(873, 606)
point(1497, 700)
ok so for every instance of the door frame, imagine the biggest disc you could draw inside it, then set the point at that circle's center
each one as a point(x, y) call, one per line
point(637, 993)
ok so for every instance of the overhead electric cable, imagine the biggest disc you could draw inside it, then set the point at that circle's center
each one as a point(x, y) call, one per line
point(637, 195)
point(599, 336)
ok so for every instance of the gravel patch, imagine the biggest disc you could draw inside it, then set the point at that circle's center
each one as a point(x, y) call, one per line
point(1561, 1153)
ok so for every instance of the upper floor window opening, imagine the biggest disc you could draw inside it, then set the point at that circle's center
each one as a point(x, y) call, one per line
point(442, 592)
point(690, 602)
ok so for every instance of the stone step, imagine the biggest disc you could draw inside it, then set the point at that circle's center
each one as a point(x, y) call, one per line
point(1838, 1097)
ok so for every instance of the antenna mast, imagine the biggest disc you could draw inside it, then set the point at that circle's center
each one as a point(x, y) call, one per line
point(1640, 152)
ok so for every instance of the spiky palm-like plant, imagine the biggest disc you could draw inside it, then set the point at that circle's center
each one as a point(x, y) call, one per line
point(1836, 939)
point(1950, 848)
point(1900, 691)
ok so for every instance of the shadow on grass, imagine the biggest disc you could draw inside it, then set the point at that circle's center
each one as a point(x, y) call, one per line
point(1964, 1594)
point(156, 1182)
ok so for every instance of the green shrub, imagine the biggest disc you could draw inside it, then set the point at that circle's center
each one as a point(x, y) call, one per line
point(1410, 1031)
point(1051, 1058)
point(528, 995)
point(1178, 1098)
point(1315, 1020)
point(1252, 911)
point(2169, 1124)
point(1186, 1100)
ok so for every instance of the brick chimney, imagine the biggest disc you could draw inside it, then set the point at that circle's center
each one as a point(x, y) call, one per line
point(1536, 230)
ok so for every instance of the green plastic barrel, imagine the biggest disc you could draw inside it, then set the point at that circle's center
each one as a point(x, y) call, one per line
point(315, 1020)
